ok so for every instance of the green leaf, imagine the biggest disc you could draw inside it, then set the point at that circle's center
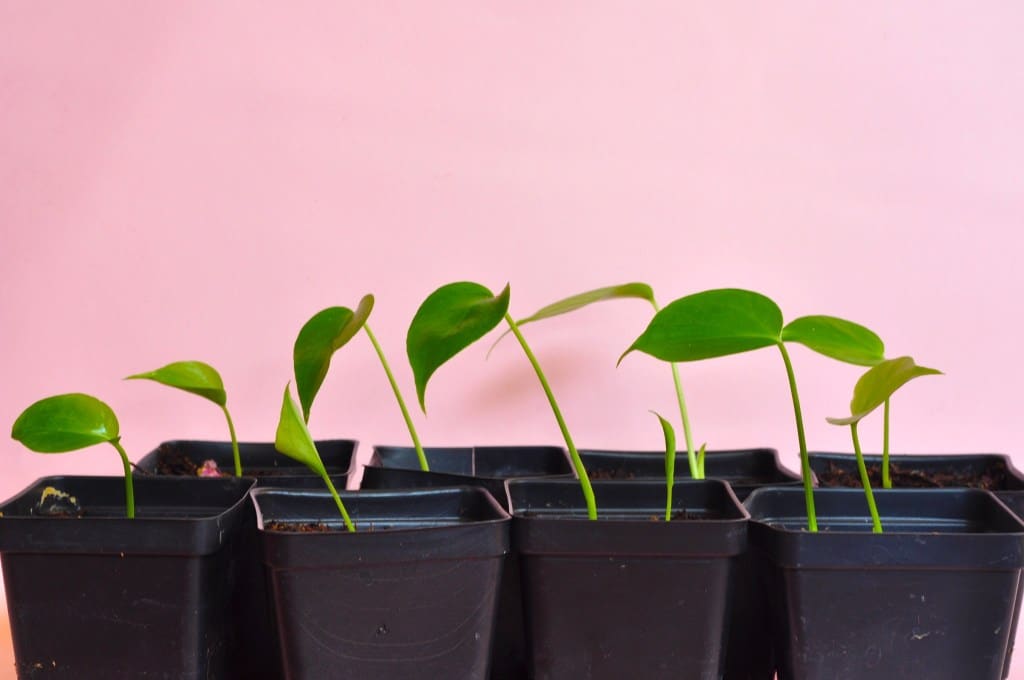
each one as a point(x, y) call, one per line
point(324, 334)
point(837, 339)
point(293, 438)
point(670, 447)
point(878, 384)
point(66, 422)
point(451, 318)
point(191, 376)
point(574, 302)
point(711, 324)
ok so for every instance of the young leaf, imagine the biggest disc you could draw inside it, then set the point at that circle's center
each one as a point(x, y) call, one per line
point(293, 438)
point(837, 339)
point(66, 422)
point(710, 324)
point(574, 302)
point(451, 318)
point(670, 462)
point(319, 339)
point(878, 384)
point(191, 376)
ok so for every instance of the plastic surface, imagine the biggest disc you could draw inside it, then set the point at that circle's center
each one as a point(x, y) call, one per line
point(744, 469)
point(627, 596)
point(412, 594)
point(105, 597)
point(930, 598)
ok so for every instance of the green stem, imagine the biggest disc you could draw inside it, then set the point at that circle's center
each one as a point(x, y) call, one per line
point(581, 472)
point(886, 478)
point(129, 490)
point(695, 469)
point(337, 500)
point(401, 402)
point(234, 443)
point(805, 464)
point(876, 522)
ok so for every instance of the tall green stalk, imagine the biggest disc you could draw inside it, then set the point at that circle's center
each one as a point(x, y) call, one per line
point(805, 464)
point(886, 475)
point(234, 442)
point(129, 488)
point(691, 454)
point(588, 490)
point(876, 521)
point(420, 455)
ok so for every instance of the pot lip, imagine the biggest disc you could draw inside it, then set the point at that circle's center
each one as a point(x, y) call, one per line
point(145, 466)
point(910, 457)
point(774, 524)
point(352, 497)
point(740, 514)
point(547, 451)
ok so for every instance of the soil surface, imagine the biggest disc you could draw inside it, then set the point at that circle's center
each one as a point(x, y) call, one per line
point(904, 477)
point(611, 473)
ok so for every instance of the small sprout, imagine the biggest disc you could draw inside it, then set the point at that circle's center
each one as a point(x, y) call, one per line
point(324, 334)
point(293, 440)
point(873, 389)
point(455, 316)
point(670, 463)
point(69, 422)
point(717, 323)
point(199, 379)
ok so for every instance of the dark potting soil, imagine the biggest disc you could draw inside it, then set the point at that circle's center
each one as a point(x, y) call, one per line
point(174, 462)
point(611, 473)
point(903, 477)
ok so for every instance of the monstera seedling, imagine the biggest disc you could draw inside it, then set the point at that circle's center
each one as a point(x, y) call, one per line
point(69, 422)
point(451, 319)
point(726, 321)
point(873, 389)
point(199, 379)
point(324, 334)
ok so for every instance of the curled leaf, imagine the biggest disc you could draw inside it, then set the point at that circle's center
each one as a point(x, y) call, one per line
point(66, 422)
point(878, 384)
point(837, 339)
point(451, 318)
point(324, 334)
point(711, 324)
point(293, 438)
point(192, 376)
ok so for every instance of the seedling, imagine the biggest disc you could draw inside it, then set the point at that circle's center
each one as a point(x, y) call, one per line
point(640, 291)
point(872, 390)
point(455, 316)
point(203, 380)
point(726, 321)
point(69, 422)
point(323, 335)
point(293, 440)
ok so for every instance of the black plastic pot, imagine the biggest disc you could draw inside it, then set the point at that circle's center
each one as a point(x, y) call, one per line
point(105, 597)
point(259, 460)
point(749, 648)
point(255, 652)
point(412, 594)
point(930, 598)
point(397, 467)
point(627, 595)
point(744, 469)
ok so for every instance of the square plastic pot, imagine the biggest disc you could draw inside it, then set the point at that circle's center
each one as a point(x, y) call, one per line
point(254, 650)
point(932, 597)
point(106, 597)
point(996, 469)
point(397, 467)
point(627, 595)
point(411, 594)
point(749, 648)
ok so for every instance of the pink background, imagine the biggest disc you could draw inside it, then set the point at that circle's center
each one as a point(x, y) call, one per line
point(194, 180)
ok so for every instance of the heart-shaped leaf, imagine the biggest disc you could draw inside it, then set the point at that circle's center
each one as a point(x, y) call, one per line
point(572, 303)
point(837, 339)
point(451, 318)
point(878, 384)
point(710, 324)
point(293, 438)
point(66, 422)
point(191, 376)
point(324, 334)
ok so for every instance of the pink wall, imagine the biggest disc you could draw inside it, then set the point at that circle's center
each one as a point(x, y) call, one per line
point(189, 180)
